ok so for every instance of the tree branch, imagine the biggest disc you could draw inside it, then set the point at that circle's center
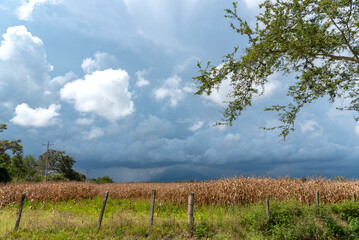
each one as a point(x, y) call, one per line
point(339, 57)
point(345, 38)
point(345, 58)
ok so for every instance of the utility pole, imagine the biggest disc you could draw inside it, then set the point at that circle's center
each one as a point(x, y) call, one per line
point(47, 157)
point(87, 175)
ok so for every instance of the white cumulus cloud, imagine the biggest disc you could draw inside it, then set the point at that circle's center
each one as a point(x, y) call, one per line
point(196, 126)
point(232, 137)
point(38, 117)
point(170, 89)
point(61, 80)
point(253, 3)
point(19, 45)
point(95, 132)
point(24, 12)
point(84, 121)
point(220, 95)
point(312, 127)
point(23, 65)
point(141, 81)
point(105, 93)
point(102, 61)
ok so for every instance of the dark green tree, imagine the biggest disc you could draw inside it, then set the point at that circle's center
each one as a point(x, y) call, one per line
point(30, 166)
point(8, 162)
point(5, 146)
point(59, 163)
point(4, 173)
point(316, 40)
point(101, 180)
point(51, 158)
point(17, 167)
point(65, 166)
point(2, 127)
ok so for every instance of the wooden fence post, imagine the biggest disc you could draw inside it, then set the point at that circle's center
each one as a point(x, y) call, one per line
point(153, 197)
point(317, 198)
point(190, 209)
point(22, 200)
point(102, 210)
point(267, 208)
point(354, 197)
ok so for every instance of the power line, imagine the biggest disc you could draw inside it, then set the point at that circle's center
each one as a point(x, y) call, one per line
point(47, 156)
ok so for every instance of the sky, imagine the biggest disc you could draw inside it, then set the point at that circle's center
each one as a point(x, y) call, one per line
point(111, 83)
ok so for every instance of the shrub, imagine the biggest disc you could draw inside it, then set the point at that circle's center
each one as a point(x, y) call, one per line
point(4, 173)
point(104, 179)
point(58, 177)
point(346, 210)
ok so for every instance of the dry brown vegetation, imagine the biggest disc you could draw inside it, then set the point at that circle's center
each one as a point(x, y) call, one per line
point(225, 191)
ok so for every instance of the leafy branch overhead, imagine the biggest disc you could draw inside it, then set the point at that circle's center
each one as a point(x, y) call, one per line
point(316, 40)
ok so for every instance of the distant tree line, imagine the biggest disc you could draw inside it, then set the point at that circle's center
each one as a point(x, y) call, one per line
point(100, 180)
point(54, 164)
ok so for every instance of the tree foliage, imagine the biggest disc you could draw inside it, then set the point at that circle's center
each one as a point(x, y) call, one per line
point(317, 40)
point(9, 163)
point(58, 177)
point(59, 163)
point(14, 165)
point(17, 167)
point(5, 146)
point(101, 180)
point(4, 173)
point(30, 166)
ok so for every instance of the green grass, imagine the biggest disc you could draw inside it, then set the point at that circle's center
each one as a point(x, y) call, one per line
point(128, 219)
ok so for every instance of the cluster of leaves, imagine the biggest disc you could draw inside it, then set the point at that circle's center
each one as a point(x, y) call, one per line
point(13, 165)
point(316, 40)
point(292, 220)
point(59, 163)
point(8, 164)
point(101, 180)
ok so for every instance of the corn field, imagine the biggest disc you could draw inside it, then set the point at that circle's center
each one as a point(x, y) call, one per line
point(222, 192)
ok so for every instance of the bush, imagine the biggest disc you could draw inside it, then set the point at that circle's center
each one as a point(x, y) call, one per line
point(58, 177)
point(72, 175)
point(353, 227)
point(4, 173)
point(346, 210)
point(100, 180)
point(203, 230)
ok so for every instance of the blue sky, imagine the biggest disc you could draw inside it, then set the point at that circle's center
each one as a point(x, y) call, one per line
point(110, 82)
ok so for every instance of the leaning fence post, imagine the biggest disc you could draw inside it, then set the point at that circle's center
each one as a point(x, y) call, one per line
point(317, 198)
point(102, 210)
point(267, 208)
point(22, 200)
point(354, 197)
point(152, 207)
point(190, 209)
